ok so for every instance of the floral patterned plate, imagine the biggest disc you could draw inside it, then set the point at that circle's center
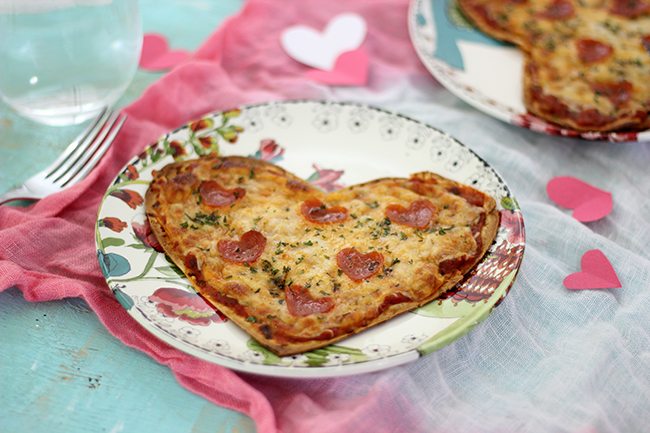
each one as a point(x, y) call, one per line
point(481, 70)
point(331, 145)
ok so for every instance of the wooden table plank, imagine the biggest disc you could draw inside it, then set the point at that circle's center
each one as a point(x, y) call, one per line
point(60, 370)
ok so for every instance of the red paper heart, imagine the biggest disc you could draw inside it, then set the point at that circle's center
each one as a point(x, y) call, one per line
point(588, 202)
point(350, 69)
point(596, 273)
point(157, 56)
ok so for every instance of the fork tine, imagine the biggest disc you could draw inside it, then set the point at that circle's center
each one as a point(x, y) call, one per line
point(79, 158)
point(78, 143)
point(105, 141)
point(84, 147)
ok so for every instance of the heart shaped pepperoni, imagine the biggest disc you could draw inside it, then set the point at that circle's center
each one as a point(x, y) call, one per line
point(593, 51)
point(630, 8)
point(558, 10)
point(619, 93)
point(359, 266)
point(213, 194)
point(301, 303)
point(418, 215)
point(246, 250)
point(315, 211)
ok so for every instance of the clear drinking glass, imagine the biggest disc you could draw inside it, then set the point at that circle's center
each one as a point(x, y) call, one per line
point(62, 61)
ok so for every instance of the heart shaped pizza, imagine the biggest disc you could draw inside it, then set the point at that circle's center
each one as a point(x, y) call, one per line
point(298, 268)
point(587, 61)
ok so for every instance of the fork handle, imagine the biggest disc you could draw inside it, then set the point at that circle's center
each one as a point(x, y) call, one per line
point(20, 193)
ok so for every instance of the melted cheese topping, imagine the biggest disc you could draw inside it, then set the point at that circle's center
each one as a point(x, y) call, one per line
point(303, 253)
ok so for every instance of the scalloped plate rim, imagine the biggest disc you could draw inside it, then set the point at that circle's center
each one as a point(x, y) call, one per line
point(327, 371)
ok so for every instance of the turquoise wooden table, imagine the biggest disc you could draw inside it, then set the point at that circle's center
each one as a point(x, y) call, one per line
point(60, 370)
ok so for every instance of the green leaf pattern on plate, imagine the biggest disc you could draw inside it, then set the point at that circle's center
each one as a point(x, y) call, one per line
point(134, 269)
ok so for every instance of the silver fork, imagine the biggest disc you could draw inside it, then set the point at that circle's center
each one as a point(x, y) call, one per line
point(76, 161)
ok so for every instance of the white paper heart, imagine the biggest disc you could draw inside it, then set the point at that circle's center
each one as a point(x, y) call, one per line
point(345, 32)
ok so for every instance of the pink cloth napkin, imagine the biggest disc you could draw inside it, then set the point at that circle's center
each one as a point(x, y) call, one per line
point(48, 250)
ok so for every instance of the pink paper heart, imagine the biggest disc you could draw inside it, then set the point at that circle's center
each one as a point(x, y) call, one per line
point(157, 56)
point(596, 273)
point(588, 202)
point(350, 69)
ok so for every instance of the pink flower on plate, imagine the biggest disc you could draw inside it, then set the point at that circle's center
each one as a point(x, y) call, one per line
point(187, 306)
point(145, 234)
point(514, 224)
point(176, 148)
point(269, 151)
point(326, 178)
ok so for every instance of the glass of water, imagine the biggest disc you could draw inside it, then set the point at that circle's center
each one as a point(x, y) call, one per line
point(62, 61)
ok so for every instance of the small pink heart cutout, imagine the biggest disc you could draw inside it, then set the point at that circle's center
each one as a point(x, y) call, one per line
point(350, 69)
point(596, 273)
point(156, 55)
point(588, 202)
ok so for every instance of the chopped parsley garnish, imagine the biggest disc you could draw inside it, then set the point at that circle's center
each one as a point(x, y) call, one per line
point(251, 319)
point(309, 243)
point(444, 230)
point(201, 218)
point(382, 229)
point(267, 266)
point(389, 268)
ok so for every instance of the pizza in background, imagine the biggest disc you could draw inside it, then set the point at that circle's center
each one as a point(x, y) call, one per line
point(587, 62)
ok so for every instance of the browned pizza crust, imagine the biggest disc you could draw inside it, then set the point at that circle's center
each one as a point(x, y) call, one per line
point(302, 289)
point(586, 62)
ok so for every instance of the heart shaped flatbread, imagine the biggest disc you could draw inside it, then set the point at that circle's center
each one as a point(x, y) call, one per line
point(587, 62)
point(298, 268)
